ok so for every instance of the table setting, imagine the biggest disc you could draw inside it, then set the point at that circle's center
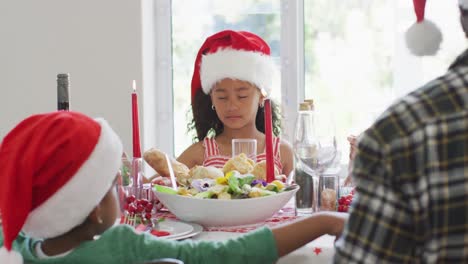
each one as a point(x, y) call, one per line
point(211, 204)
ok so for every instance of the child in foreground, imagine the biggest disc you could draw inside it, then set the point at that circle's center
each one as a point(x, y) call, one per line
point(58, 204)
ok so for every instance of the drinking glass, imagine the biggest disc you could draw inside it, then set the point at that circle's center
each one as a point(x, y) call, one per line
point(320, 151)
point(143, 192)
point(131, 171)
point(248, 146)
point(130, 183)
point(125, 173)
point(328, 191)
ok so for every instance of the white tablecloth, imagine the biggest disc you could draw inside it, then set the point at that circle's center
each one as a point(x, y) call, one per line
point(320, 250)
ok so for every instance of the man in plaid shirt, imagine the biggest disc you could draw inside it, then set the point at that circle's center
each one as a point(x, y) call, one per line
point(411, 176)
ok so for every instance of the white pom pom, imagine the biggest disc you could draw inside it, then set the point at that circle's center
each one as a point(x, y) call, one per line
point(423, 38)
point(10, 257)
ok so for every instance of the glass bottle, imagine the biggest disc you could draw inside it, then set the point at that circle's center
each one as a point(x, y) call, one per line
point(63, 91)
point(305, 147)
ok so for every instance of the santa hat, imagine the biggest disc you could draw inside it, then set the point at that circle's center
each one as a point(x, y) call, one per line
point(56, 167)
point(233, 54)
point(423, 38)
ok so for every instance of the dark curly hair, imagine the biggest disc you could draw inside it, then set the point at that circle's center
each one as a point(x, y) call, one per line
point(206, 123)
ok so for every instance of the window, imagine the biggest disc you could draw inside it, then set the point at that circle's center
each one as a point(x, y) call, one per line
point(356, 61)
point(259, 16)
point(349, 56)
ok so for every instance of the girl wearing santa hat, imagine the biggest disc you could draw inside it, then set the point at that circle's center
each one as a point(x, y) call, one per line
point(57, 195)
point(232, 76)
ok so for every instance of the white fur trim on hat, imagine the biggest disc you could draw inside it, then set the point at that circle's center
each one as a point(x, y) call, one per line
point(254, 67)
point(423, 38)
point(463, 4)
point(71, 204)
point(10, 257)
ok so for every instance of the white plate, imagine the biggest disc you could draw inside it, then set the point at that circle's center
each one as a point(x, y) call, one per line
point(197, 229)
point(175, 228)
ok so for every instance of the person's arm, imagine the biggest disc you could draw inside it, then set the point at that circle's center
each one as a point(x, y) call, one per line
point(352, 154)
point(121, 244)
point(287, 157)
point(380, 226)
point(193, 155)
point(290, 237)
point(260, 246)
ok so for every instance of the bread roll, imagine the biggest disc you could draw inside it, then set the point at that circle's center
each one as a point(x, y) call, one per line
point(157, 160)
point(240, 163)
point(259, 170)
point(200, 172)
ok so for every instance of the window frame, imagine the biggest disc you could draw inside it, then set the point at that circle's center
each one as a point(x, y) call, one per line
point(157, 75)
point(292, 63)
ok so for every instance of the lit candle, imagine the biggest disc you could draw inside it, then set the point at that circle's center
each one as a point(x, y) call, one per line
point(135, 124)
point(270, 176)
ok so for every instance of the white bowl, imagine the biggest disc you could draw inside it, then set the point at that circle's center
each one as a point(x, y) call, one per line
point(214, 212)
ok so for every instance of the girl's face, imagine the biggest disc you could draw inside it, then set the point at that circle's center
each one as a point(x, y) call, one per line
point(236, 102)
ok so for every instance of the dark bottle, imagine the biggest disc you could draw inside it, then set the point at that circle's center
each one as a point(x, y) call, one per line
point(63, 91)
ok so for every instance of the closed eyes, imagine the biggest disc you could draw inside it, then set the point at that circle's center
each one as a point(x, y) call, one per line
point(240, 97)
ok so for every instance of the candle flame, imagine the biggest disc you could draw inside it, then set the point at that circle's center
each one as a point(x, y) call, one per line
point(134, 86)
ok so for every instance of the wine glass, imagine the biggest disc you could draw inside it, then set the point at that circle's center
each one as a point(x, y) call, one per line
point(316, 145)
point(315, 148)
point(327, 151)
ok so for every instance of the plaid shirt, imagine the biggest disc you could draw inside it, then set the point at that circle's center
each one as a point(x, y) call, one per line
point(411, 175)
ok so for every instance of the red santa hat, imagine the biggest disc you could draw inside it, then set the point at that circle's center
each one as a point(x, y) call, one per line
point(233, 54)
point(423, 38)
point(56, 167)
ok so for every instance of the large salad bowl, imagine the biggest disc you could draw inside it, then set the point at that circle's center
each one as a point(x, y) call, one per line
point(219, 212)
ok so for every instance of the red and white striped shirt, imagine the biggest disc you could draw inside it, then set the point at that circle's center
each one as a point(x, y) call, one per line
point(215, 159)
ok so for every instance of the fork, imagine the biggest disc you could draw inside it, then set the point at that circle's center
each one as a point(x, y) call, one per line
point(171, 173)
point(129, 219)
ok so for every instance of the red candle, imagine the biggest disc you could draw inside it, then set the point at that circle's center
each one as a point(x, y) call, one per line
point(135, 124)
point(269, 142)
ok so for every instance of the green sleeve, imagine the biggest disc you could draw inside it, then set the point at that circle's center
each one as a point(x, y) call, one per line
point(122, 245)
point(255, 247)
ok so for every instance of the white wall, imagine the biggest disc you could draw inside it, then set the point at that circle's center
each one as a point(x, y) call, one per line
point(97, 42)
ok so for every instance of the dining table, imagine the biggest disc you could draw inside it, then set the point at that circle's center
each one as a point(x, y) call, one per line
point(320, 250)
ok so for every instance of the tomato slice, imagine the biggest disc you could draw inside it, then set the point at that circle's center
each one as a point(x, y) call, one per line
point(140, 228)
point(160, 233)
